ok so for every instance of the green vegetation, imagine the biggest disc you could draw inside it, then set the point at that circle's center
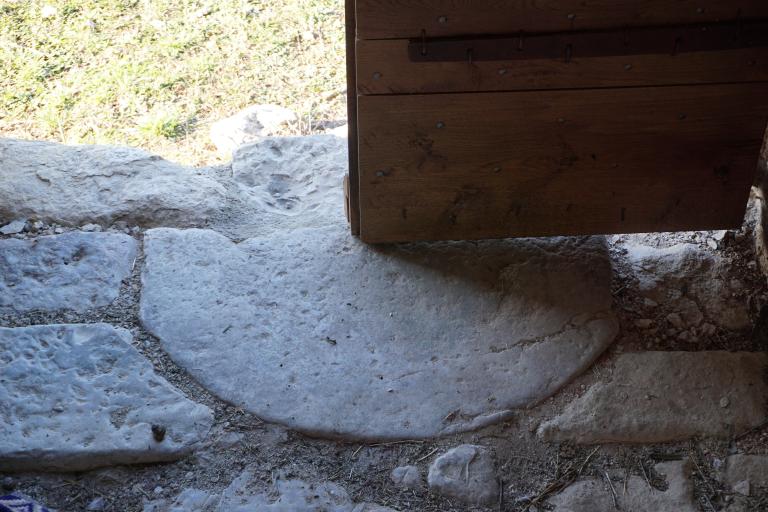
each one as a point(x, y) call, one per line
point(157, 73)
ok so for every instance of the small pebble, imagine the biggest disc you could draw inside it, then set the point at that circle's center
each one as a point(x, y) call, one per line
point(8, 483)
point(725, 402)
point(674, 319)
point(158, 490)
point(14, 228)
point(644, 323)
point(90, 228)
point(712, 244)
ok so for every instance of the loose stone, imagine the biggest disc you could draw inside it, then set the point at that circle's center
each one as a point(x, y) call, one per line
point(466, 473)
point(407, 477)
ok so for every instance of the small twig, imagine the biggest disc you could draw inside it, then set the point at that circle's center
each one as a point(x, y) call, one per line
point(358, 450)
point(613, 491)
point(647, 480)
point(427, 455)
point(704, 479)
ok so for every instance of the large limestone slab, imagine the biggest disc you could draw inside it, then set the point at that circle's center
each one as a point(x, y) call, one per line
point(74, 185)
point(293, 181)
point(315, 330)
point(75, 271)
point(690, 278)
point(287, 496)
point(596, 495)
point(74, 397)
point(668, 396)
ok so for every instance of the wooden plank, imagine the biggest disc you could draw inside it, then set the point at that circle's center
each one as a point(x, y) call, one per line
point(394, 19)
point(384, 68)
point(351, 187)
point(492, 165)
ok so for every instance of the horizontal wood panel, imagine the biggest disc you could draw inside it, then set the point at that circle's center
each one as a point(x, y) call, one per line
point(392, 19)
point(384, 68)
point(492, 165)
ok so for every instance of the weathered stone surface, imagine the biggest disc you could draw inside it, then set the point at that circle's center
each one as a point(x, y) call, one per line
point(595, 495)
point(14, 227)
point(746, 468)
point(667, 396)
point(249, 125)
point(74, 271)
point(74, 397)
point(690, 279)
point(315, 330)
point(75, 185)
point(294, 181)
point(407, 477)
point(287, 496)
point(466, 473)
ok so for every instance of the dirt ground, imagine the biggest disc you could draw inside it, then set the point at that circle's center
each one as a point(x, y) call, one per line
point(529, 469)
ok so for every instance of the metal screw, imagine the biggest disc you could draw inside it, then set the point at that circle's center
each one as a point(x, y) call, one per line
point(442, 20)
point(571, 16)
point(377, 76)
point(440, 125)
point(503, 71)
point(497, 169)
point(628, 67)
point(381, 174)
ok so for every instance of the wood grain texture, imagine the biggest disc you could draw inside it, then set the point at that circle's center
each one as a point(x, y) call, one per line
point(384, 68)
point(493, 165)
point(351, 190)
point(392, 19)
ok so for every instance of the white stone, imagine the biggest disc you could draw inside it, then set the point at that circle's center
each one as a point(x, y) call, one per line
point(14, 227)
point(75, 185)
point(686, 273)
point(466, 473)
point(315, 330)
point(96, 504)
point(595, 494)
point(667, 396)
point(90, 228)
point(74, 271)
point(249, 125)
point(294, 181)
point(407, 477)
point(75, 397)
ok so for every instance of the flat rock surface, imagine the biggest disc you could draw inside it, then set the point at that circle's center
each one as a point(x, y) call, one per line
point(74, 397)
point(667, 396)
point(595, 495)
point(293, 181)
point(75, 271)
point(746, 468)
point(286, 496)
point(74, 185)
point(692, 280)
point(315, 330)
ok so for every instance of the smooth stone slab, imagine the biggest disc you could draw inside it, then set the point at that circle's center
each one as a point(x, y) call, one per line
point(466, 473)
point(595, 495)
point(74, 271)
point(75, 185)
point(655, 397)
point(689, 278)
point(293, 181)
point(287, 496)
point(75, 397)
point(315, 330)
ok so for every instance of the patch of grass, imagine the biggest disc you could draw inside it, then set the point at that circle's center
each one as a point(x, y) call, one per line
point(158, 73)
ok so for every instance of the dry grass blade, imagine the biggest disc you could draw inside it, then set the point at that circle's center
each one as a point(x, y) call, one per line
point(563, 481)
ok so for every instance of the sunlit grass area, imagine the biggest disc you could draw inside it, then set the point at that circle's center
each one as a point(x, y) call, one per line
point(157, 73)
